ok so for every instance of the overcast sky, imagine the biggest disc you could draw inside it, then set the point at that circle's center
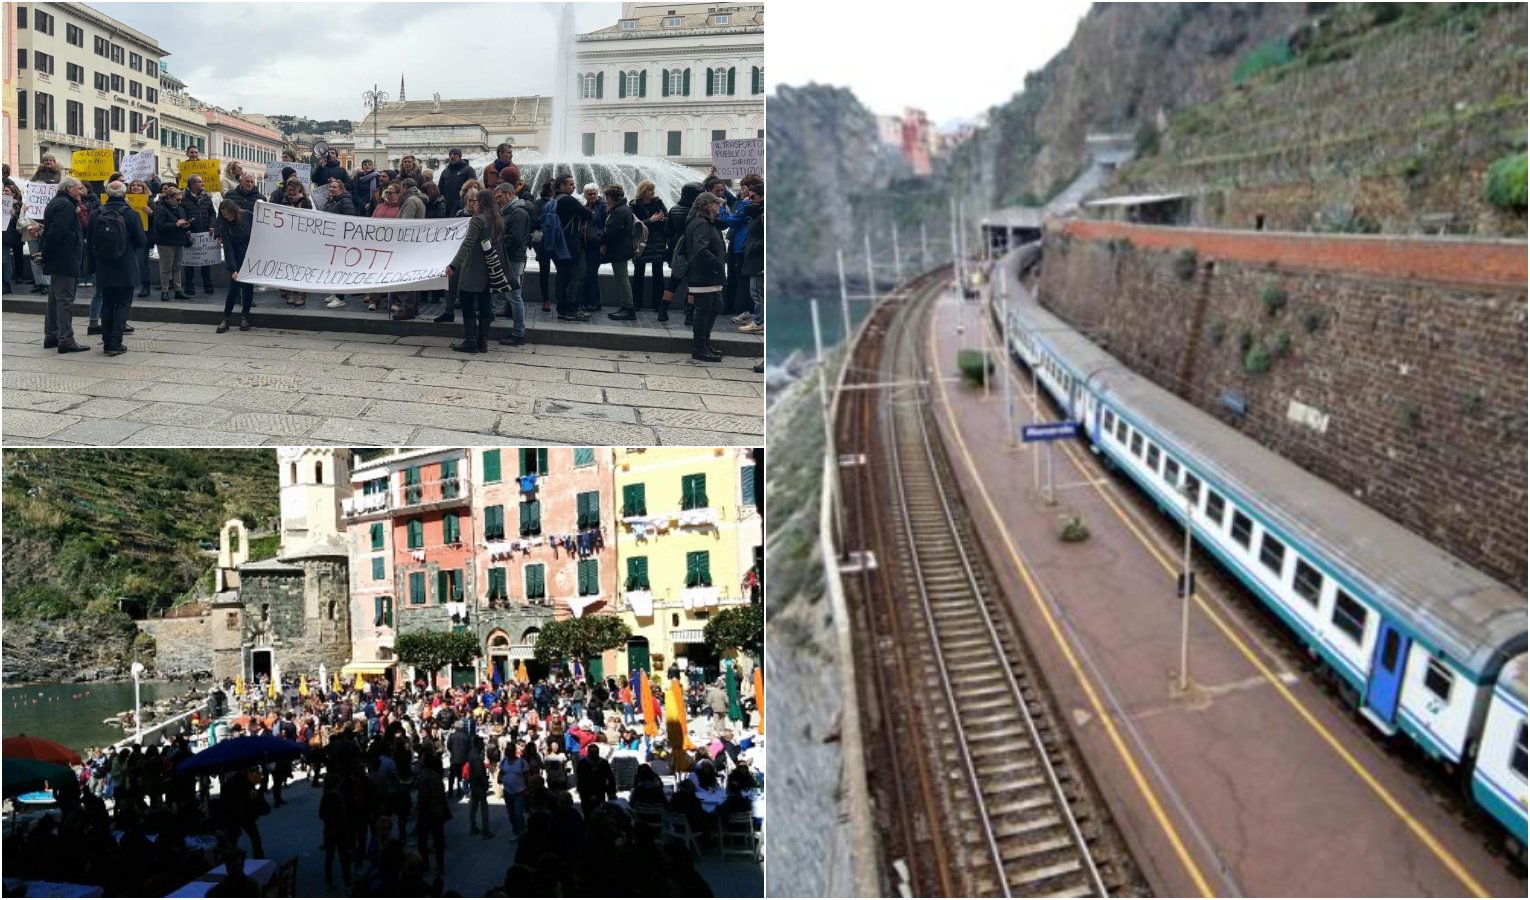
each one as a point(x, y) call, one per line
point(952, 59)
point(316, 59)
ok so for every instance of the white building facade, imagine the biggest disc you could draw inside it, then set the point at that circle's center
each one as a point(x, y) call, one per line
point(82, 81)
point(668, 79)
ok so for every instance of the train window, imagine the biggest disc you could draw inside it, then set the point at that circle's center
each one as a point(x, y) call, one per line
point(1121, 431)
point(1152, 456)
point(1517, 761)
point(1242, 529)
point(1171, 471)
point(1137, 444)
point(1309, 582)
point(1349, 617)
point(1193, 490)
point(1438, 678)
point(1273, 554)
point(1110, 421)
point(1216, 507)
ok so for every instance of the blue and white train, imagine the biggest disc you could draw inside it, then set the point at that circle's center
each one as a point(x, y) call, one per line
point(1423, 643)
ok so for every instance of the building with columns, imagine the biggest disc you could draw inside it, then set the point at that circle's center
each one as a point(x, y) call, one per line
point(76, 79)
point(525, 122)
point(668, 79)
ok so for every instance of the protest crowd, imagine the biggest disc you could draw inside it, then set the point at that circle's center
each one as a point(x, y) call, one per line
point(596, 802)
point(704, 255)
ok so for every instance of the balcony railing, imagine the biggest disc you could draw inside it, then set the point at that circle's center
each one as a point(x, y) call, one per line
point(60, 139)
point(438, 494)
point(365, 504)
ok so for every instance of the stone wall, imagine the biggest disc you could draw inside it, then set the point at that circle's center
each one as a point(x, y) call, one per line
point(182, 646)
point(305, 615)
point(1395, 366)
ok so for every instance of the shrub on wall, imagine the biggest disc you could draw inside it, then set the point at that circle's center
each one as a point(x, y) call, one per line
point(1274, 300)
point(1273, 52)
point(1506, 186)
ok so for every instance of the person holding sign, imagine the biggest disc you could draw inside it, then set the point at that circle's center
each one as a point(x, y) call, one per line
point(116, 236)
point(233, 229)
point(199, 209)
point(477, 255)
point(138, 199)
point(292, 194)
point(12, 236)
point(171, 227)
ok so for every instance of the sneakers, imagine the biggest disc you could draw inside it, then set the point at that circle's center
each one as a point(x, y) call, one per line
point(751, 328)
point(743, 318)
point(335, 303)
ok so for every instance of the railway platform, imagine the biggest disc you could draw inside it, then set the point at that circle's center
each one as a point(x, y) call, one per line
point(1255, 781)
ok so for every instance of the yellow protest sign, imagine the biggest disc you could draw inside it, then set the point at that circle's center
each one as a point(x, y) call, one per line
point(207, 168)
point(91, 165)
point(139, 202)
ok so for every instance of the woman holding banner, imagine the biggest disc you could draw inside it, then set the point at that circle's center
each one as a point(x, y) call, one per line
point(294, 196)
point(472, 264)
point(389, 203)
point(234, 232)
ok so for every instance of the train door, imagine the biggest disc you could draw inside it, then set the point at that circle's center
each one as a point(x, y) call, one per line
point(1386, 673)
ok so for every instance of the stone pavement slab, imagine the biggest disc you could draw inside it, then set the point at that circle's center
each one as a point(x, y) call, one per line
point(181, 383)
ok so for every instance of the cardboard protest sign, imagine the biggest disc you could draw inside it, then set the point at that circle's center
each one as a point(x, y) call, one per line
point(140, 202)
point(308, 250)
point(304, 173)
point(139, 166)
point(207, 168)
point(91, 165)
point(38, 195)
point(735, 159)
point(204, 251)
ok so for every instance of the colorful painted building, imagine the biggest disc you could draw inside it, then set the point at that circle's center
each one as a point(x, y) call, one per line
point(689, 533)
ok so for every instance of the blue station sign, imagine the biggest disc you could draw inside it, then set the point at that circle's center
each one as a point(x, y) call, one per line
point(1051, 431)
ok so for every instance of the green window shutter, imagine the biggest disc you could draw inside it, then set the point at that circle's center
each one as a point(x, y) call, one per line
point(441, 586)
point(377, 610)
point(531, 517)
point(536, 581)
point(589, 577)
point(709, 81)
point(491, 473)
point(691, 576)
point(701, 491)
point(664, 83)
point(731, 71)
point(456, 583)
point(541, 460)
point(377, 568)
point(754, 79)
point(416, 534)
point(387, 611)
point(497, 583)
point(634, 503)
point(448, 468)
point(685, 82)
point(377, 535)
point(416, 587)
point(747, 477)
point(693, 491)
point(621, 86)
point(584, 456)
point(637, 573)
point(412, 492)
point(643, 83)
point(523, 454)
point(451, 528)
point(600, 84)
point(589, 509)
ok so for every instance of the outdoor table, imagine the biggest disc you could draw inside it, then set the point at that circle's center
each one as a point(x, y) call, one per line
point(261, 870)
point(50, 889)
point(37, 798)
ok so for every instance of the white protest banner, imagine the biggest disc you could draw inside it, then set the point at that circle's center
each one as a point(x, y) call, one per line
point(37, 195)
point(308, 250)
point(140, 166)
point(735, 159)
point(274, 175)
point(204, 251)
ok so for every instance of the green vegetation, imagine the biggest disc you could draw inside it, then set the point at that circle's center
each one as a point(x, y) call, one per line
point(1267, 55)
point(435, 650)
point(1073, 530)
point(89, 525)
point(1281, 347)
point(1184, 263)
point(1506, 184)
point(738, 627)
point(1147, 140)
point(975, 366)
point(580, 638)
point(1257, 360)
point(1274, 300)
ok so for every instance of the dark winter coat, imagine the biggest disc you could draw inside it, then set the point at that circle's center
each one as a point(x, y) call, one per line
point(199, 210)
point(754, 246)
point(246, 201)
point(674, 225)
point(324, 173)
point(595, 235)
point(236, 240)
point(363, 186)
point(470, 264)
point(572, 209)
point(162, 224)
point(342, 205)
point(435, 209)
point(123, 271)
point(619, 224)
point(658, 242)
point(48, 176)
point(300, 203)
point(518, 222)
point(63, 240)
point(705, 251)
point(450, 180)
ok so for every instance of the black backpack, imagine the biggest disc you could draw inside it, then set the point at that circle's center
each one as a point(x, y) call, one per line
point(108, 237)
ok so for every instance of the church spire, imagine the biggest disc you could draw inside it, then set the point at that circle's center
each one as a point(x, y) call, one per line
point(401, 87)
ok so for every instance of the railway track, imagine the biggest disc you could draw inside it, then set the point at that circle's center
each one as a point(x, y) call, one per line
point(986, 797)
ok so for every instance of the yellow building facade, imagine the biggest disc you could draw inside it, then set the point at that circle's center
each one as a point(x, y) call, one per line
point(689, 530)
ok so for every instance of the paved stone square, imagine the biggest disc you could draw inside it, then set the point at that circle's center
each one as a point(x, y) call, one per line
point(182, 384)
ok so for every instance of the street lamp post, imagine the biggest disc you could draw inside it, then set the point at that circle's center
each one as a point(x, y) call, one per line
point(374, 100)
point(137, 670)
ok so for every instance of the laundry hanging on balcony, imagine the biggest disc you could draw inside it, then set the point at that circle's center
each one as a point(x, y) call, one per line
point(528, 483)
point(693, 517)
point(578, 605)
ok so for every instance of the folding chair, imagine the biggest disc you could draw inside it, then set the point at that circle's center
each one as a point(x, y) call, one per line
point(650, 813)
point(738, 837)
point(679, 827)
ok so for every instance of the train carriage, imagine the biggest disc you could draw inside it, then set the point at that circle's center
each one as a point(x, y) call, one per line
point(1498, 781)
point(1418, 637)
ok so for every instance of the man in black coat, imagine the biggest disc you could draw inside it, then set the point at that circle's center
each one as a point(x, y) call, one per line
point(199, 209)
point(331, 168)
point(117, 277)
point(619, 249)
point(246, 193)
point(63, 252)
point(452, 178)
point(595, 780)
point(573, 216)
point(458, 745)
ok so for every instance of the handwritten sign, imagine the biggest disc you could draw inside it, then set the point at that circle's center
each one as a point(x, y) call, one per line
point(204, 251)
point(207, 168)
point(38, 195)
point(140, 202)
point(140, 165)
point(304, 173)
point(306, 250)
point(91, 165)
point(735, 159)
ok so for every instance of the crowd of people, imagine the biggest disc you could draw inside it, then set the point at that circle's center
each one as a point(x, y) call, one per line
point(712, 242)
point(392, 767)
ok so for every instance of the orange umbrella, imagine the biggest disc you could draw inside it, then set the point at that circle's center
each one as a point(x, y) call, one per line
point(675, 727)
point(303, 685)
point(645, 695)
point(759, 697)
point(40, 749)
point(521, 674)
